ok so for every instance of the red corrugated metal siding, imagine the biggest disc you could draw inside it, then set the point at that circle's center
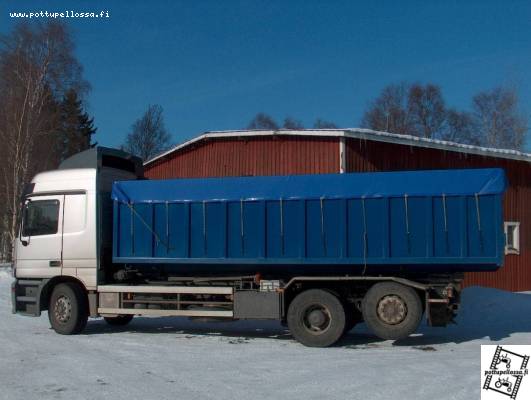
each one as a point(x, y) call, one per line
point(249, 157)
point(362, 155)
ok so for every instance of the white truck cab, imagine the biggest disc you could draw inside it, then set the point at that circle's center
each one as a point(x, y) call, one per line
point(65, 233)
point(58, 230)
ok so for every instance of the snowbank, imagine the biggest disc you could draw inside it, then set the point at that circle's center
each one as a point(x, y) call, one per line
point(5, 270)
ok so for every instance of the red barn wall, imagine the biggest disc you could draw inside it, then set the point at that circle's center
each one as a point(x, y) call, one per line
point(249, 157)
point(363, 155)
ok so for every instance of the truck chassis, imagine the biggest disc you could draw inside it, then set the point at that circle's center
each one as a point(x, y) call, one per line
point(318, 310)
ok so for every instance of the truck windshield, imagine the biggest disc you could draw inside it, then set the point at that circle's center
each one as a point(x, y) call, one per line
point(41, 217)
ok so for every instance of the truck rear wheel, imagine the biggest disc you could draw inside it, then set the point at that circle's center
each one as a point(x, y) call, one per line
point(392, 311)
point(68, 309)
point(119, 320)
point(316, 318)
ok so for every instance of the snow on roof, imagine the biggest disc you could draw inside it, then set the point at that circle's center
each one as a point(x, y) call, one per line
point(359, 133)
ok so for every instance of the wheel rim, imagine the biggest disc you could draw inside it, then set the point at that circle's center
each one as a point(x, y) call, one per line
point(392, 309)
point(62, 309)
point(316, 319)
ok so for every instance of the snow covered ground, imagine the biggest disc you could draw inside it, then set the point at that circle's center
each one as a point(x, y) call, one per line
point(172, 358)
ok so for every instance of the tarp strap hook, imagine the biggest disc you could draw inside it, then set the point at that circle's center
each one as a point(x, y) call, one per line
point(204, 228)
point(132, 209)
point(478, 214)
point(407, 223)
point(444, 213)
point(445, 221)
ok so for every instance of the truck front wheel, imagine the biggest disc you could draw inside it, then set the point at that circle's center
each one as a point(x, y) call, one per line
point(392, 311)
point(68, 309)
point(316, 318)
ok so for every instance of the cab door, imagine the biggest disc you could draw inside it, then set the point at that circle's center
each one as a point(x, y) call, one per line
point(39, 249)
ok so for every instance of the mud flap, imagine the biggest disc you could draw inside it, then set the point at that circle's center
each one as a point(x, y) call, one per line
point(440, 313)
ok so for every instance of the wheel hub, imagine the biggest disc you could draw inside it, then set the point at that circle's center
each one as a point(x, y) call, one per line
point(392, 309)
point(62, 309)
point(317, 319)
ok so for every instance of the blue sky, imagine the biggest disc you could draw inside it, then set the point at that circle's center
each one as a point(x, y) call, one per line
point(214, 64)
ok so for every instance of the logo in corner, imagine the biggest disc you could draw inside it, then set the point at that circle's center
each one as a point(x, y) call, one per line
point(505, 372)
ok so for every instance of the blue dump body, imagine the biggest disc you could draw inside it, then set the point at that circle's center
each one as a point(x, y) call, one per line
point(418, 221)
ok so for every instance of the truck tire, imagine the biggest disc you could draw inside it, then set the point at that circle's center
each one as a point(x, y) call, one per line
point(68, 309)
point(316, 318)
point(120, 320)
point(392, 311)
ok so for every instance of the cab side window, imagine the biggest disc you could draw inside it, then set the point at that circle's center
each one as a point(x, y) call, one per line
point(41, 217)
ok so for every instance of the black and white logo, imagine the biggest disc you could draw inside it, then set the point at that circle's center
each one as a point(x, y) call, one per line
point(504, 372)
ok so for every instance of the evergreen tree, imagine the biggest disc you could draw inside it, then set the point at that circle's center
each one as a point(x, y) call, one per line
point(76, 127)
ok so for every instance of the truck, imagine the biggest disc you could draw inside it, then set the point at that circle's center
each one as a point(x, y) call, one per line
point(319, 253)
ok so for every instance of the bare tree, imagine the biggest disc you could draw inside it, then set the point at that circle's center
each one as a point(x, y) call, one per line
point(148, 136)
point(460, 128)
point(498, 119)
point(495, 120)
point(37, 66)
point(290, 123)
point(427, 109)
point(262, 121)
point(390, 111)
point(323, 124)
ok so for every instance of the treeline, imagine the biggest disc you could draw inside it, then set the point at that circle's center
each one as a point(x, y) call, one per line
point(148, 136)
point(42, 117)
point(495, 119)
point(265, 121)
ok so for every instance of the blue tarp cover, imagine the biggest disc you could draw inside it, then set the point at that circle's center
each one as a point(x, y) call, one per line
point(457, 182)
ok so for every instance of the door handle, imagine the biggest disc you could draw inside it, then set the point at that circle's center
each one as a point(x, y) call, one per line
point(55, 263)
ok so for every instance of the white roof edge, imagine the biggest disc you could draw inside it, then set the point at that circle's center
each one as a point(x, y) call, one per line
point(359, 133)
point(60, 174)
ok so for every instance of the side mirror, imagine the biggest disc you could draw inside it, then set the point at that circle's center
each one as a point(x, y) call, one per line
point(24, 242)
